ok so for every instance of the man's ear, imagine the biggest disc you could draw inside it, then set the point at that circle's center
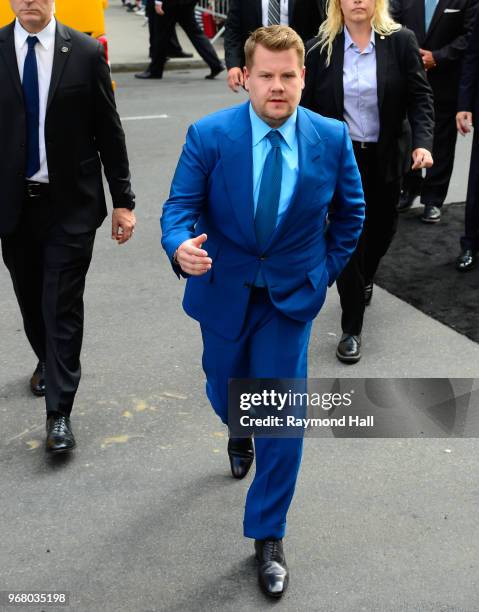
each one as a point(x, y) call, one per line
point(246, 77)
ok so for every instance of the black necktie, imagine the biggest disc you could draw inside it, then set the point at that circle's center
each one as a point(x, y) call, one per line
point(32, 108)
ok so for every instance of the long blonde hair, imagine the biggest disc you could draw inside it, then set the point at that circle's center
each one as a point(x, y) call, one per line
point(381, 22)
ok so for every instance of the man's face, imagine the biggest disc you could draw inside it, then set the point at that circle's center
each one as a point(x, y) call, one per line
point(34, 15)
point(358, 11)
point(274, 83)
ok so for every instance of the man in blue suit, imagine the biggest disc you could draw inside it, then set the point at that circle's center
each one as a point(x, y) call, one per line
point(249, 223)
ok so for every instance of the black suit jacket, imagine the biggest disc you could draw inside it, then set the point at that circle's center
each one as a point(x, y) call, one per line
point(469, 87)
point(447, 37)
point(245, 16)
point(82, 126)
point(403, 91)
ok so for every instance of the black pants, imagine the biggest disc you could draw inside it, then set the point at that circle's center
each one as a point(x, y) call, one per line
point(174, 47)
point(48, 269)
point(379, 228)
point(185, 16)
point(433, 187)
point(471, 238)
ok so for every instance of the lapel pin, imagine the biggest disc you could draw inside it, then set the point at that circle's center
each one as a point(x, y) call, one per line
point(382, 37)
point(64, 49)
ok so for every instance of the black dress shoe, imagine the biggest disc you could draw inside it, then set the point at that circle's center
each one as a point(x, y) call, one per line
point(147, 75)
point(241, 454)
point(431, 214)
point(60, 437)
point(273, 572)
point(214, 73)
point(349, 349)
point(37, 381)
point(180, 54)
point(368, 293)
point(466, 260)
point(406, 200)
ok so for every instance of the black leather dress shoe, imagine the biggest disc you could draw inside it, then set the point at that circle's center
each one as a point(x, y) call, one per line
point(368, 293)
point(37, 381)
point(349, 348)
point(180, 55)
point(147, 75)
point(241, 454)
point(406, 200)
point(273, 572)
point(60, 437)
point(466, 260)
point(431, 214)
point(214, 73)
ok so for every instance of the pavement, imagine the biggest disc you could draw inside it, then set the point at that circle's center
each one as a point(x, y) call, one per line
point(144, 517)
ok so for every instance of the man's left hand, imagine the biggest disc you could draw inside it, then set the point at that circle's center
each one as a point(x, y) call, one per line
point(427, 59)
point(123, 223)
point(422, 158)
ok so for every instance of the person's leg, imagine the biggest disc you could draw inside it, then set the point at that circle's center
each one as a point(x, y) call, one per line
point(470, 240)
point(66, 262)
point(187, 20)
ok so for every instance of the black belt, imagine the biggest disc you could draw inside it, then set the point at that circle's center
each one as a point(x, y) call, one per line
point(33, 189)
point(364, 145)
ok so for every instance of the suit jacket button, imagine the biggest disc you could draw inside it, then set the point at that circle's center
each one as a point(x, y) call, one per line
point(263, 257)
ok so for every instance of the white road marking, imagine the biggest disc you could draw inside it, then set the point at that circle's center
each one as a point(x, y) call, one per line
point(145, 117)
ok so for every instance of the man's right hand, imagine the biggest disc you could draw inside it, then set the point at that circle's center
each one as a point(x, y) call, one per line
point(191, 258)
point(235, 79)
point(464, 122)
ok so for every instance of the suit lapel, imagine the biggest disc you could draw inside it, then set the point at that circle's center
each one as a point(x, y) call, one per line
point(61, 54)
point(337, 66)
point(7, 51)
point(382, 60)
point(442, 4)
point(237, 164)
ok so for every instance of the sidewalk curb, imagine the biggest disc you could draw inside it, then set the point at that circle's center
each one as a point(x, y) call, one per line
point(176, 64)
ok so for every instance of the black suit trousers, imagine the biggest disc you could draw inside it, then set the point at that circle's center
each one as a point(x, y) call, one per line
point(471, 238)
point(48, 269)
point(433, 187)
point(184, 15)
point(378, 231)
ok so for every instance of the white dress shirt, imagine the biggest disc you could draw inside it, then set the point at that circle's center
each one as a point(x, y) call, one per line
point(284, 17)
point(44, 51)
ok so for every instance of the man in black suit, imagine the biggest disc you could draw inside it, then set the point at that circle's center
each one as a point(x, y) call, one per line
point(57, 118)
point(443, 28)
point(169, 13)
point(245, 16)
point(468, 115)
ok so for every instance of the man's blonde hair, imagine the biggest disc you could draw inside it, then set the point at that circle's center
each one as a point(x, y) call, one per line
point(274, 38)
point(381, 22)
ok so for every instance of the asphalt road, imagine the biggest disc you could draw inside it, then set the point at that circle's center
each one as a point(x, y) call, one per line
point(143, 517)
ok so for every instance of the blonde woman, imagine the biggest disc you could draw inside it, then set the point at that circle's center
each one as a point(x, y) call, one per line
point(366, 70)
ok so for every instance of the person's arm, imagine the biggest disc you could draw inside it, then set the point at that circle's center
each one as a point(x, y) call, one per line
point(110, 141)
point(455, 49)
point(234, 54)
point(183, 209)
point(469, 83)
point(420, 103)
point(311, 74)
point(346, 216)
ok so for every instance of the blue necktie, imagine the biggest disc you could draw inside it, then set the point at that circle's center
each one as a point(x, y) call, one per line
point(32, 107)
point(430, 8)
point(269, 192)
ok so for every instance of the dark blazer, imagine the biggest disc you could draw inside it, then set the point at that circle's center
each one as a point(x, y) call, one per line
point(447, 37)
point(403, 91)
point(469, 87)
point(245, 16)
point(81, 126)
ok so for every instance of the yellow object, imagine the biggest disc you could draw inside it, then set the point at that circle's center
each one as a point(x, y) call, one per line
point(85, 15)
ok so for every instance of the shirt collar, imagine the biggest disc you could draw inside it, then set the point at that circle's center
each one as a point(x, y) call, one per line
point(260, 128)
point(349, 42)
point(46, 37)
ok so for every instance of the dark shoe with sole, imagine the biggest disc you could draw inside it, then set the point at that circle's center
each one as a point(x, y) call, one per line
point(431, 214)
point(466, 260)
point(214, 73)
point(349, 349)
point(60, 437)
point(406, 200)
point(147, 75)
point(241, 455)
point(273, 575)
point(37, 381)
point(180, 55)
point(368, 293)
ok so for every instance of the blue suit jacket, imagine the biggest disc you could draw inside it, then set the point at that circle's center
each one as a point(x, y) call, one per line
point(212, 193)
